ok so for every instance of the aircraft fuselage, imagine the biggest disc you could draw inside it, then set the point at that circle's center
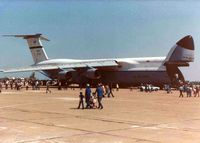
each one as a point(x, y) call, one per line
point(131, 71)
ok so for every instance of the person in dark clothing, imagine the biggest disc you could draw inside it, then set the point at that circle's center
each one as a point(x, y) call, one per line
point(110, 91)
point(81, 96)
point(87, 95)
point(11, 85)
point(99, 92)
point(26, 85)
point(1, 86)
point(59, 85)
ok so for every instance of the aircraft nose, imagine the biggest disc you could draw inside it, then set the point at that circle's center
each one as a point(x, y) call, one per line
point(186, 42)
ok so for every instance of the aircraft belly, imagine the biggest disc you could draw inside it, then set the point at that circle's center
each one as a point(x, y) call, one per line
point(136, 77)
point(124, 77)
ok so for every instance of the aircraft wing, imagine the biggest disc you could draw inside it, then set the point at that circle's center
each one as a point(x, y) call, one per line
point(75, 65)
point(30, 68)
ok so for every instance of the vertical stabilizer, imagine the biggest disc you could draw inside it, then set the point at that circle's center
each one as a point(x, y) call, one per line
point(182, 52)
point(35, 46)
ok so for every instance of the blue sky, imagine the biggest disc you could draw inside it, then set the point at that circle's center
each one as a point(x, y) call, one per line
point(98, 29)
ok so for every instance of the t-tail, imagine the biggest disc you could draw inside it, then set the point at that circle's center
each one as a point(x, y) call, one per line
point(180, 55)
point(35, 46)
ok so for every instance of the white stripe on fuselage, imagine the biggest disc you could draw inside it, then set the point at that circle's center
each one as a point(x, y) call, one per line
point(126, 64)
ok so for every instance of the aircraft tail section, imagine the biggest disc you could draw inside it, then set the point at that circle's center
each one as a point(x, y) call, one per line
point(35, 46)
point(181, 53)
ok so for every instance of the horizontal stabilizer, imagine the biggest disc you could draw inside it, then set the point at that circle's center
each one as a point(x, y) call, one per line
point(29, 36)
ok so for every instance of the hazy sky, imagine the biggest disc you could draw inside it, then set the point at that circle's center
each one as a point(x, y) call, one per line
point(98, 29)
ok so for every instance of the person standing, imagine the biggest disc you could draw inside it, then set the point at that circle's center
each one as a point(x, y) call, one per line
point(59, 85)
point(181, 91)
point(104, 90)
point(110, 91)
point(1, 86)
point(47, 87)
point(37, 85)
point(189, 91)
point(194, 91)
point(107, 91)
point(117, 87)
point(11, 84)
point(6, 84)
point(81, 96)
point(26, 85)
point(99, 92)
point(197, 90)
point(87, 95)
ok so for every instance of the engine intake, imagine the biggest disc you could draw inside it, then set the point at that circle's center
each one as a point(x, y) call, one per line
point(92, 74)
point(66, 75)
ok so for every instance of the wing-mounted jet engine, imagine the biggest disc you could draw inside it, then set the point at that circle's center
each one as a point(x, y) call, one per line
point(92, 74)
point(66, 75)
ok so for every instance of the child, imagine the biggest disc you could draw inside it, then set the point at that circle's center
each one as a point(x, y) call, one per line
point(81, 101)
point(94, 100)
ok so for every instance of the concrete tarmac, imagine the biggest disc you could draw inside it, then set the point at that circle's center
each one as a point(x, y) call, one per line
point(129, 117)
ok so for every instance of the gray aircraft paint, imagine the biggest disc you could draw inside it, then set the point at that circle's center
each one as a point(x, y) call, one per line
point(127, 71)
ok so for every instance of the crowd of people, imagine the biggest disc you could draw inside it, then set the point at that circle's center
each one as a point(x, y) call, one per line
point(189, 90)
point(18, 84)
point(92, 99)
point(14, 84)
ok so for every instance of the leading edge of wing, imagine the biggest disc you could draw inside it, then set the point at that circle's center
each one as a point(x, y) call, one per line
point(95, 64)
point(30, 68)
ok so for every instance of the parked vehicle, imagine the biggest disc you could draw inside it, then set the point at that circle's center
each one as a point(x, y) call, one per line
point(149, 87)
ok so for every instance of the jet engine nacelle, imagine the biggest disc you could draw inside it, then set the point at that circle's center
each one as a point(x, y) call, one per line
point(66, 75)
point(92, 74)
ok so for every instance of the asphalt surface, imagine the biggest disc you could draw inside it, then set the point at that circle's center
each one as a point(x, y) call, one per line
point(131, 116)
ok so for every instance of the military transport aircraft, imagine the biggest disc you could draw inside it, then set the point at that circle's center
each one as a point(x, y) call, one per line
point(124, 71)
